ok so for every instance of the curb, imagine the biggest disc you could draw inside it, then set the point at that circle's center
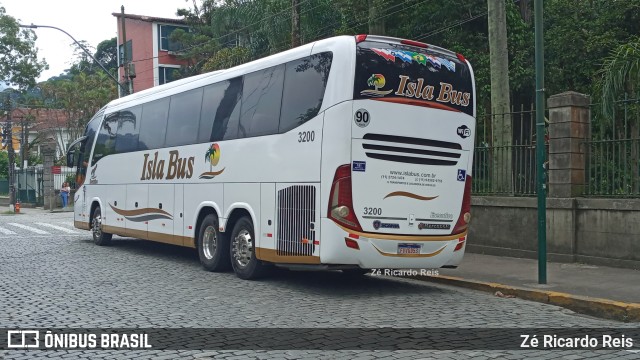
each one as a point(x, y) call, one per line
point(601, 308)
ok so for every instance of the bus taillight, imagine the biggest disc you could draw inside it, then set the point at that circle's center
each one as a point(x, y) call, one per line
point(360, 38)
point(465, 211)
point(341, 201)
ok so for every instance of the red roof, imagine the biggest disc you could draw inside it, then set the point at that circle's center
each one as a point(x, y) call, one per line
point(151, 18)
point(40, 118)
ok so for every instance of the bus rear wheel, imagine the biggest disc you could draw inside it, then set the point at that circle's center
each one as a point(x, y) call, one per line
point(243, 251)
point(213, 249)
point(100, 237)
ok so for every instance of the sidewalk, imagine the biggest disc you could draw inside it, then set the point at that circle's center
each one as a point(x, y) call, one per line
point(584, 288)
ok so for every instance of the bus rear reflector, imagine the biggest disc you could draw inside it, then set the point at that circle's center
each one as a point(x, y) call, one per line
point(351, 243)
point(341, 201)
point(460, 244)
point(414, 43)
point(360, 38)
point(465, 211)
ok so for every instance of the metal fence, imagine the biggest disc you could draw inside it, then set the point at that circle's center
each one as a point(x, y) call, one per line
point(505, 164)
point(613, 150)
point(29, 183)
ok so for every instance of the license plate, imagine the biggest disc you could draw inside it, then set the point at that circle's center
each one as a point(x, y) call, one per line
point(409, 248)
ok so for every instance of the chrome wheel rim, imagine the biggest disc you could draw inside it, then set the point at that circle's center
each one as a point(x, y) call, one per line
point(209, 242)
point(242, 247)
point(97, 226)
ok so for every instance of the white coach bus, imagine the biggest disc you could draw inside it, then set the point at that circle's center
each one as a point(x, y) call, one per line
point(348, 153)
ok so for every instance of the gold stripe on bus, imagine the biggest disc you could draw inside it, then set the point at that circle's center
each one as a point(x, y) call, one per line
point(404, 237)
point(410, 195)
point(81, 225)
point(139, 211)
point(185, 241)
point(411, 255)
point(271, 255)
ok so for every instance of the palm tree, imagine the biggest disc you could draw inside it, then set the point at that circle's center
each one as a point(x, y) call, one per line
point(620, 74)
point(210, 155)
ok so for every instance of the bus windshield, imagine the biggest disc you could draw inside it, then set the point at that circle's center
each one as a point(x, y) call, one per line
point(412, 75)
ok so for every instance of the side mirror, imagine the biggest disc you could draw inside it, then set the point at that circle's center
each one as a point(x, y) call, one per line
point(72, 151)
point(70, 158)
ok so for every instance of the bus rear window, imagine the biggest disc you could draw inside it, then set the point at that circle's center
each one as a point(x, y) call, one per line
point(409, 75)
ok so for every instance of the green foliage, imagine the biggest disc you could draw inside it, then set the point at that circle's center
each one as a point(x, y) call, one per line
point(4, 165)
point(579, 34)
point(19, 64)
point(619, 74)
point(80, 96)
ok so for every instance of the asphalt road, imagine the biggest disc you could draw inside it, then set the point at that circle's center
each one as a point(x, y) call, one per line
point(54, 276)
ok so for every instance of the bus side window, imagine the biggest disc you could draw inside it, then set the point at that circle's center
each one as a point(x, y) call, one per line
point(184, 116)
point(128, 129)
point(305, 81)
point(106, 143)
point(261, 101)
point(220, 111)
point(153, 124)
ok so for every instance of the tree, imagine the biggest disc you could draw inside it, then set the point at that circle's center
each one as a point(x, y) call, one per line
point(107, 54)
point(80, 98)
point(4, 165)
point(620, 74)
point(501, 125)
point(19, 64)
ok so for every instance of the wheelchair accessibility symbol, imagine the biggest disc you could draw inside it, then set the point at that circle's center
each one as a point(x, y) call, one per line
point(462, 175)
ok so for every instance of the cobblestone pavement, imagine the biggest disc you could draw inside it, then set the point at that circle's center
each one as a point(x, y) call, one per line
point(56, 277)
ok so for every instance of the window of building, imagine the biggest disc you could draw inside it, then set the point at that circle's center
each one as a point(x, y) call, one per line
point(305, 81)
point(221, 111)
point(261, 100)
point(153, 124)
point(165, 43)
point(106, 142)
point(128, 129)
point(184, 117)
point(166, 74)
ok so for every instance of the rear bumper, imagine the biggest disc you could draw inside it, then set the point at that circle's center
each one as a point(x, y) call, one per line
point(381, 252)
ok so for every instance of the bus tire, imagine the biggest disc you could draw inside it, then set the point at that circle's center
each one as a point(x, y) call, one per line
point(243, 253)
point(100, 237)
point(213, 248)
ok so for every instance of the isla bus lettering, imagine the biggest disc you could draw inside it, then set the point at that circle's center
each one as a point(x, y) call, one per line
point(419, 91)
point(179, 168)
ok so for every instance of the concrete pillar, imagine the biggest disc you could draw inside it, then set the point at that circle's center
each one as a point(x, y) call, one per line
point(48, 155)
point(568, 127)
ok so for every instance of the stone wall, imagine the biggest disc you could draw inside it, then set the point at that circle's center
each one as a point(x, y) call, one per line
point(589, 230)
point(594, 231)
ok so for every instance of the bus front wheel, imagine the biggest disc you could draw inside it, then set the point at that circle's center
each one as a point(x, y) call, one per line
point(100, 237)
point(213, 249)
point(243, 252)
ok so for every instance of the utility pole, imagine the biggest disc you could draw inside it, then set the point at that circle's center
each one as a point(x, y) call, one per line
point(12, 156)
point(125, 61)
point(295, 23)
point(501, 127)
point(540, 145)
point(376, 22)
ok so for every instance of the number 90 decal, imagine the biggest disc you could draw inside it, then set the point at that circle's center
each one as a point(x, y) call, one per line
point(362, 118)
